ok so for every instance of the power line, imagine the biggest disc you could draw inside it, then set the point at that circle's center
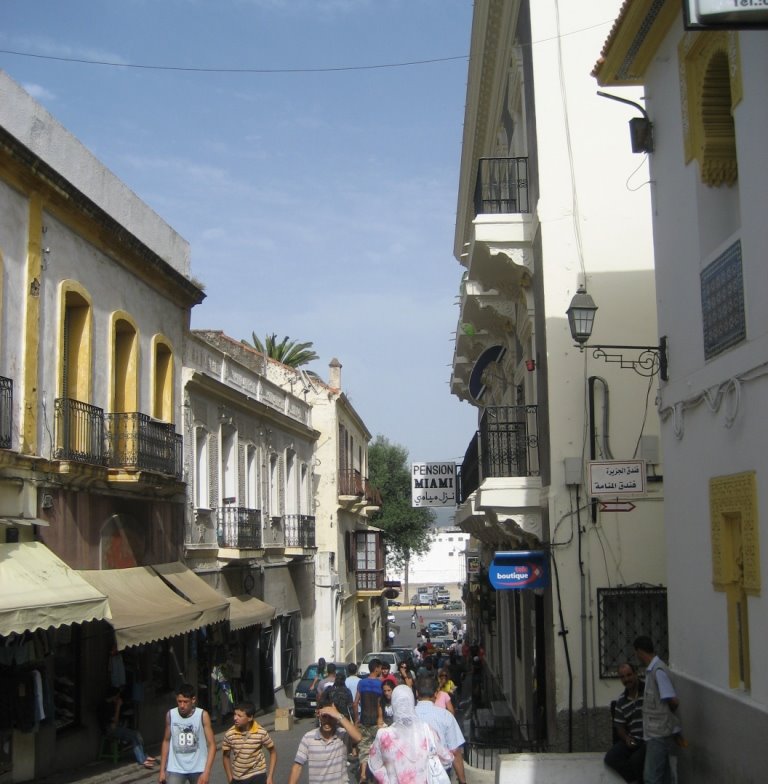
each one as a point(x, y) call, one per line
point(315, 69)
point(200, 69)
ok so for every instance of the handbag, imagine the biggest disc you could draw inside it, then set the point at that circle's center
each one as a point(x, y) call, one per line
point(436, 773)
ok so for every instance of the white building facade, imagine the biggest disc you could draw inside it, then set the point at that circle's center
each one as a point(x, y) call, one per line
point(705, 95)
point(537, 219)
point(443, 564)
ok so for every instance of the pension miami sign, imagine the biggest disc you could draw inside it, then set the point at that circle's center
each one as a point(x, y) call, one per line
point(433, 484)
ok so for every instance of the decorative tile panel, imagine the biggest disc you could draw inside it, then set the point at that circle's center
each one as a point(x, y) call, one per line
point(722, 302)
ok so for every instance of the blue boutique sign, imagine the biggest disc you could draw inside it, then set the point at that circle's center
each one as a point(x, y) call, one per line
point(517, 569)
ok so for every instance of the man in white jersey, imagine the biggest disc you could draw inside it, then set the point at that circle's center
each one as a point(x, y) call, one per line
point(189, 745)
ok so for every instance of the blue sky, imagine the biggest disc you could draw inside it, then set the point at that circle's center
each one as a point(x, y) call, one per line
point(318, 205)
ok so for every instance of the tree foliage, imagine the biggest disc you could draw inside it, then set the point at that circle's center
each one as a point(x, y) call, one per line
point(407, 531)
point(287, 351)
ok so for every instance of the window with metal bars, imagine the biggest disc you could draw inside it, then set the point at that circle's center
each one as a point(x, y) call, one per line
point(625, 613)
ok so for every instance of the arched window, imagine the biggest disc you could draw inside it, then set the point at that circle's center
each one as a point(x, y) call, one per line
point(75, 343)
point(124, 396)
point(162, 397)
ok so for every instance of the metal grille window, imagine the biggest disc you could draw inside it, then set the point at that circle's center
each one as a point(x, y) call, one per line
point(624, 614)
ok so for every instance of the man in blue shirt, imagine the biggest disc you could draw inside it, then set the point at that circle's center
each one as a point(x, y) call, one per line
point(441, 721)
point(366, 708)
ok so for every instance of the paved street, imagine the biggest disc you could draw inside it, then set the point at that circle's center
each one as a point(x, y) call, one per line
point(286, 741)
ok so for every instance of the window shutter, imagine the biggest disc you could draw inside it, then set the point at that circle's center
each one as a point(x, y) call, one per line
point(213, 471)
point(242, 469)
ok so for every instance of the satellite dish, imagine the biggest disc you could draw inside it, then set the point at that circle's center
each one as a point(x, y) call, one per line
point(476, 382)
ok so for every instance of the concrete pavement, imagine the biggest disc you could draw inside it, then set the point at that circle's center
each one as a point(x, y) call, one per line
point(286, 742)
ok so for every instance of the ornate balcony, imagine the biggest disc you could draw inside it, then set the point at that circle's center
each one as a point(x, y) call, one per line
point(239, 528)
point(78, 431)
point(6, 412)
point(507, 445)
point(501, 187)
point(299, 530)
point(136, 441)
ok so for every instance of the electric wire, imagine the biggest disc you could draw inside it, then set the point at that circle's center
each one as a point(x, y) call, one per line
point(254, 70)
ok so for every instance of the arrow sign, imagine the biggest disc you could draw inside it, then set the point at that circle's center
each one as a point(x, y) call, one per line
point(616, 506)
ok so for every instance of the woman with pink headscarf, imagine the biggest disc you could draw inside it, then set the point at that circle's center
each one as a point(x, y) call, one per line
point(400, 753)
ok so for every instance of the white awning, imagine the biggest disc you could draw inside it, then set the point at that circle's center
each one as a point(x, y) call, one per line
point(245, 610)
point(38, 590)
point(144, 607)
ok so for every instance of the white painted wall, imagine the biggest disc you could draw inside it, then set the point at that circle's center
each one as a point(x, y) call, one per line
point(443, 564)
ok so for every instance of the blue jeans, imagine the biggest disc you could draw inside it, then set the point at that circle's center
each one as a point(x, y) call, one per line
point(658, 768)
point(127, 735)
point(182, 778)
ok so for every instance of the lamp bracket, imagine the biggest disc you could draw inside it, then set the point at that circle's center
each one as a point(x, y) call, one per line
point(650, 360)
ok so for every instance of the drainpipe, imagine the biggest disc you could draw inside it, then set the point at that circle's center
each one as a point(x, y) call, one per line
point(583, 590)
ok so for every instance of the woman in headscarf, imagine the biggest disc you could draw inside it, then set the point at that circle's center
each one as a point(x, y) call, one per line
point(400, 753)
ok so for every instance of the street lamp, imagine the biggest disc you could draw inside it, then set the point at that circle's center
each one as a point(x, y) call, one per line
point(581, 319)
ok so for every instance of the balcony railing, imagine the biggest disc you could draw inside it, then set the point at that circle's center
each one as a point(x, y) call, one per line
point(134, 440)
point(299, 530)
point(501, 186)
point(239, 528)
point(507, 445)
point(6, 412)
point(351, 482)
point(78, 431)
point(369, 579)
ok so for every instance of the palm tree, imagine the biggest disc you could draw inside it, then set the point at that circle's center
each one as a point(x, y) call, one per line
point(287, 351)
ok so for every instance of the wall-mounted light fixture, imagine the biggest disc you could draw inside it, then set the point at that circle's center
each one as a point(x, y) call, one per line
point(530, 365)
point(640, 128)
point(581, 319)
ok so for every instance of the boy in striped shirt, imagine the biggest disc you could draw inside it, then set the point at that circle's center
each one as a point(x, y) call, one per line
point(324, 749)
point(243, 749)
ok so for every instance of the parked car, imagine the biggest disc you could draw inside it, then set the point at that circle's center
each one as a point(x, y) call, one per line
point(390, 617)
point(384, 656)
point(304, 697)
point(394, 603)
point(437, 628)
point(454, 605)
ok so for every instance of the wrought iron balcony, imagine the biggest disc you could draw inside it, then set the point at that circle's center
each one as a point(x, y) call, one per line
point(134, 440)
point(299, 530)
point(507, 445)
point(351, 482)
point(6, 412)
point(501, 186)
point(78, 431)
point(372, 494)
point(238, 528)
point(369, 579)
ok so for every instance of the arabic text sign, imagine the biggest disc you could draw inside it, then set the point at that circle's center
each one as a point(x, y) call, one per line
point(433, 484)
point(616, 477)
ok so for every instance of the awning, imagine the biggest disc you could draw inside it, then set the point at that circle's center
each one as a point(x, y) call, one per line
point(144, 608)
point(23, 521)
point(245, 610)
point(38, 590)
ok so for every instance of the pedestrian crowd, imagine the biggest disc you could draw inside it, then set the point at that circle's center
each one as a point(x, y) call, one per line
point(387, 727)
point(396, 727)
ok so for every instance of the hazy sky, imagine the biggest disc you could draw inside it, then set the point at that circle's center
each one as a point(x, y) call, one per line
point(318, 204)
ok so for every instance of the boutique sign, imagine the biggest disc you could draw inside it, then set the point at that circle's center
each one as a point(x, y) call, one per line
point(519, 569)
